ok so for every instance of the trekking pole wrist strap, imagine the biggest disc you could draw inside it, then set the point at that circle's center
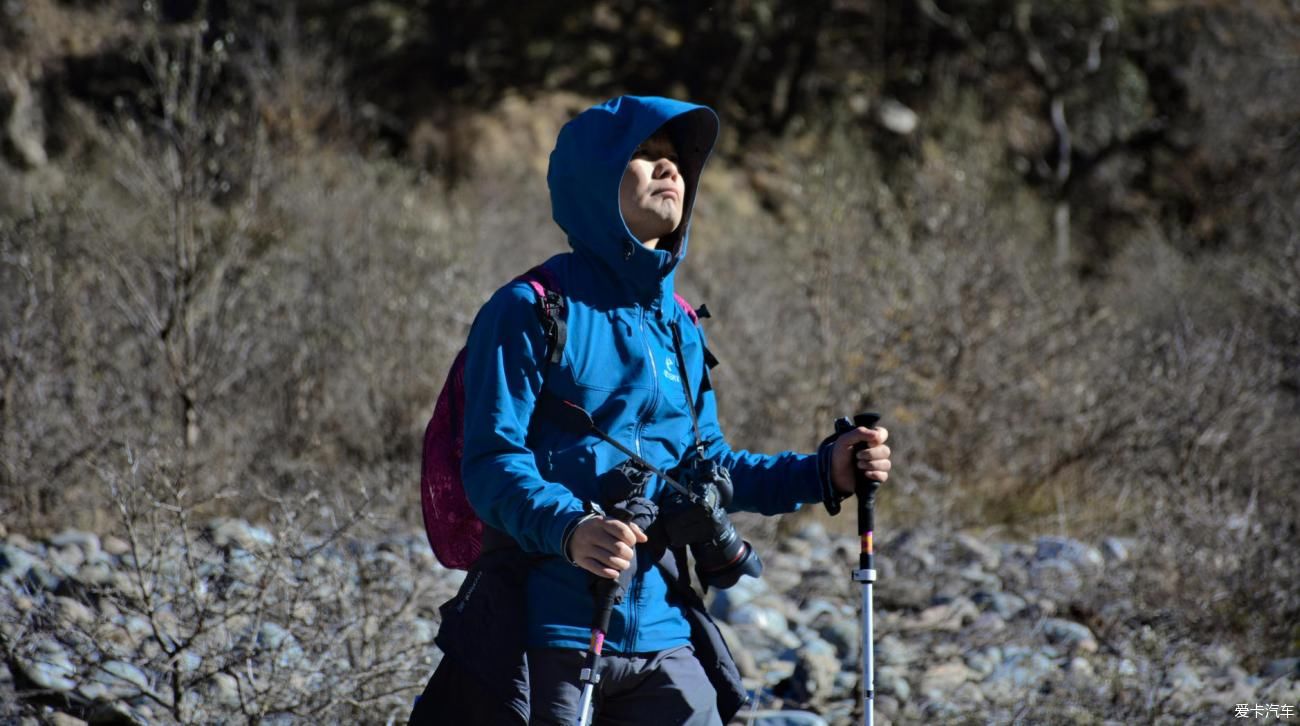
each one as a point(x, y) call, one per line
point(831, 497)
point(568, 535)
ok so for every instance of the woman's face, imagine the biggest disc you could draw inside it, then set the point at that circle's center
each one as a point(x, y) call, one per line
point(653, 192)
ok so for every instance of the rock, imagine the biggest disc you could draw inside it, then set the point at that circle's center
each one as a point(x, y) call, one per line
point(240, 534)
point(112, 713)
point(840, 626)
point(1007, 605)
point(15, 563)
point(912, 553)
point(896, 117)
point(949, 617)
point(1070, 635)
point(939, 680)
point(40, 577)
point(243, 566)
point(1086, 559)
point(423, 631)
point(1117, 549)
point(87, 542)
point(814, 674)
point(116, 546)
point(1055, 578)
point(122, 680)
point(744, 591)
point(987, 581)
point(279, 641)
point(797, 548)
point(1021, 670)
point(1184, 684)
point(22, 543)
point(984, 662)
point(222, 689)
point(845, 682)
point(891, 650)
point(189, 661)
point(49, 666)
point(74, 612)
point(65, 560)
point(988, 623)
point(785, 718)
point(62, 719)
point(1080, 673)
point(23, 140)
point(137, 629)
point(813, 532)
point(93, 691)
point(974, 551)
point(745, 662)
point(892, 680)
point(903, 593)
point(94, 574)
point(775, 670)
point(783, 575)
point(766, 620)
point(1281, 667)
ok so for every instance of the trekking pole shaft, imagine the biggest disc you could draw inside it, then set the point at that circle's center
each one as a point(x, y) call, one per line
point(590, 676)
point(865, 491)
point(866, 574)
point(584, 705)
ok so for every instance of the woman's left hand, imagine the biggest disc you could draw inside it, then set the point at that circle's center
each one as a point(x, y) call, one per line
point(874, 459)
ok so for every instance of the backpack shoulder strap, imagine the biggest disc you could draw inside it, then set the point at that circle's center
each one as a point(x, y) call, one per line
point(696, 316)
point(690, 311)
point(551, 308)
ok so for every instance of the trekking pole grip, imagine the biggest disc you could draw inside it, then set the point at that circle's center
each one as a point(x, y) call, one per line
point(865, 489)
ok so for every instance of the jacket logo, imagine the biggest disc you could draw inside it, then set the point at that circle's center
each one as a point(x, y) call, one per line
point(670, 370)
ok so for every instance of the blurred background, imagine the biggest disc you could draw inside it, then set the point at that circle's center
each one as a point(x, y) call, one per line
point(1056, 244)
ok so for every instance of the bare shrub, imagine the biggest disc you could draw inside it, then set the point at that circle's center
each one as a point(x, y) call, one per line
point(227, 621)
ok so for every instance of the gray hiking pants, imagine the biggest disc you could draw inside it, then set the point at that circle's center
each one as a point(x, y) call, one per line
point(668, 687)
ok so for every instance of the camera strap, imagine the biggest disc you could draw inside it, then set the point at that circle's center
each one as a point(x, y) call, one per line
point(686, 386)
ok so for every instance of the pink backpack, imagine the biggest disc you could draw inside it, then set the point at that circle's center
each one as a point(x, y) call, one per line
point(455, 532)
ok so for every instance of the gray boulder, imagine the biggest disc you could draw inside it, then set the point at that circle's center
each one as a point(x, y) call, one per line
point(1086, 559)
point(1070, 635)
point(49, 666)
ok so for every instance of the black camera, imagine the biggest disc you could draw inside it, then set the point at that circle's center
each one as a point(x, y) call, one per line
point(700, 521)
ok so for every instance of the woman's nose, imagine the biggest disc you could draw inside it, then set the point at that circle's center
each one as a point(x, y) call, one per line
point(665, 168)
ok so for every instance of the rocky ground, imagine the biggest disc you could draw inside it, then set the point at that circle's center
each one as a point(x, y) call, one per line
point(238, 624)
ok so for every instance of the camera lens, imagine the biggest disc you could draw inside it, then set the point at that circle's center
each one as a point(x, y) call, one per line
point(723, 560)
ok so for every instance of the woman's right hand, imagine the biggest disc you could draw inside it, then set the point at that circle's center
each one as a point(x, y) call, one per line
point(605, 547)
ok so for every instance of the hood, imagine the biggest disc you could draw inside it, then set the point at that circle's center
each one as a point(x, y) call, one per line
point(587, 166)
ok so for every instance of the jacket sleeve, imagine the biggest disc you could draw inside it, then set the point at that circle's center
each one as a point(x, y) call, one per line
point(767, 484)
point(504, 365)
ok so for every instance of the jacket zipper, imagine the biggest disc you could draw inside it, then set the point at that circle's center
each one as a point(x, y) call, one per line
point(629, 645)
point(633, 607)
point(654, 377)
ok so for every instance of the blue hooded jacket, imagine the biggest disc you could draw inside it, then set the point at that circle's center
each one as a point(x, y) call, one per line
point(530, 478)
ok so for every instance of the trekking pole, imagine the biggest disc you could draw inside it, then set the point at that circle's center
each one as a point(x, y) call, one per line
point(865, 489)
point(622, 488)
point(605, 594)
